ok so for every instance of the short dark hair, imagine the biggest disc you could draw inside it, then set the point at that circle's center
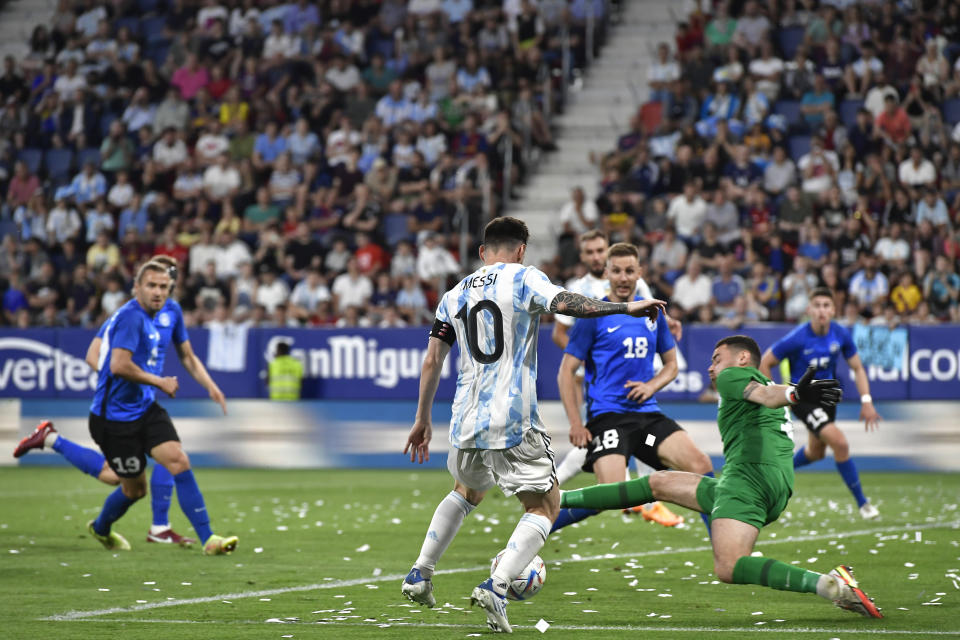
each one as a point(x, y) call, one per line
point(822, 292)
point(283, 349)
point(505, 231)
point(742, 343)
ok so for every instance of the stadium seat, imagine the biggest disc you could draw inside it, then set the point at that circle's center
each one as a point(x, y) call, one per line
point(59, 164)
point(395, 229)
point(105, 121)
point(158, 51)
point(790, 39)
point(651, 115)
point(799, 146)
point(148, 6)
point(789, 109)
point(84, 155)
point(153, 29)
point(32, 158)
point(951, 111)
point(131, 23)
point(848, 112)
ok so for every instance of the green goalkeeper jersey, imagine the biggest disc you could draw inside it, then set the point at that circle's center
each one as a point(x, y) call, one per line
point(752, 432)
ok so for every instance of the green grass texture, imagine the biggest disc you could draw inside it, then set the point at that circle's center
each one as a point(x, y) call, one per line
point(322, 555)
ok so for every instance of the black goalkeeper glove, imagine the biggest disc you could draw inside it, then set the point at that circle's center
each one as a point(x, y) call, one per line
point(823, 393)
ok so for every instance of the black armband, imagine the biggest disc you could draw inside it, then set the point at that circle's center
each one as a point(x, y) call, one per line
point(443, 331)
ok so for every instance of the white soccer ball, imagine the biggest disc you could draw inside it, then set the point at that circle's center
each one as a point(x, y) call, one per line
point(529, 582)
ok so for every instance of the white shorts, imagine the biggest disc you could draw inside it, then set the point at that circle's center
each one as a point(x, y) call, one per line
point(527, 467)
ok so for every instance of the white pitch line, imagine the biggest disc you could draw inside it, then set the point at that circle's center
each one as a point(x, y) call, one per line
point(555, 627)
point(333, 584)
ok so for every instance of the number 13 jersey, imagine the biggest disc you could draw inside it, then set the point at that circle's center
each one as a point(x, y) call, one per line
point(495, 313)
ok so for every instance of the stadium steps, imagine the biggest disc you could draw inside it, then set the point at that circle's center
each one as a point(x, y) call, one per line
point(613, 89)
point(17, 20)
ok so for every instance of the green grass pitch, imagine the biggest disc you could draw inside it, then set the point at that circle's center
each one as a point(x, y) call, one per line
point(322, 554)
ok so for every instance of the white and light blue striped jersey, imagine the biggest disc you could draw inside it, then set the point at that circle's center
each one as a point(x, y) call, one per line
point(495, 312)
point(598, 289)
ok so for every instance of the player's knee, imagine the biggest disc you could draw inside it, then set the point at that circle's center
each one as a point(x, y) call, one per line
point(815, 454)
point(178, 464)
point(701, 464)
point(134, 492)
point(841, 450)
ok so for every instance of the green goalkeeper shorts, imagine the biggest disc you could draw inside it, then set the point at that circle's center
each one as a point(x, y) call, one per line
point(752, 493)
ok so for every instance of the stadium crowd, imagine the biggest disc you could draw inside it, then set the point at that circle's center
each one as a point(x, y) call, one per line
point(792, 144)
point(307, 163)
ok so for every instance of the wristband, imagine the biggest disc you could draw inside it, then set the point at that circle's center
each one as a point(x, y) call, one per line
point(865, 398)
point(791, 393)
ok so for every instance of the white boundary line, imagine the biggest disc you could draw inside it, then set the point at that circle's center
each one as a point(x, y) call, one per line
point(555, 627)
point(334, 584)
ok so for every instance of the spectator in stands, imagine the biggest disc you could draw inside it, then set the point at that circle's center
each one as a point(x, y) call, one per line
point(692, 291)
point(662, 74)
point(892, 125)
point(817, 102)
point(724, 216)
point(861, 74)
point(435, 263)
point(752, 29)
point(941, 289)
point(906, 296)
point(103, 255)
point(721, 28)
point(869, 284)
point(779, 173)
point(352, 288)
point(764, 288)
point(22, 186)
point(892, 249)
point(818, 168)
point(933, 209)
point(308, 295)
point(766, 69)
point(916, 173)
point(726, 287)
point(687, 212)
point(797, 287)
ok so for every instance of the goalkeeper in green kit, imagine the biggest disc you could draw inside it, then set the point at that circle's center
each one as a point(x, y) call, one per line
point(757, 479)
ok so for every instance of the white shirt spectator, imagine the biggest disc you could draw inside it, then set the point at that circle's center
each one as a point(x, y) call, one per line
point(207, 16)
point(309, 297)
point(111, 301)
point(283, 45)
point(63, 223)
point(687, 216)
point(457, 10)
point(797, 287)
point(691, 293)
point(568, 214)
point(67, 86)
point(821, 179)
point(202, 253)
point(272, 295)
point(88, 21)
point(665, 72)
point(211, 145)
point(876, 96)
point(423, 7)
point(220, 183)
point(860, 66)
point(352, 292)
point(345, 79)
point(169, 156)
point(892, 249)
point(914, 176)
point(435, 262)
point(752, 28)
point(867, 290)
point(230, 258)
point(339, 143)
point(120, 195)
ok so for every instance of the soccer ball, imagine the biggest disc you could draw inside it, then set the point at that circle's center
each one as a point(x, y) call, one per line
point(528, 583)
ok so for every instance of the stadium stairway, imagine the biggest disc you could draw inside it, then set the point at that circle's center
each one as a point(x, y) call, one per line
point(17, 20)
point(614, 88)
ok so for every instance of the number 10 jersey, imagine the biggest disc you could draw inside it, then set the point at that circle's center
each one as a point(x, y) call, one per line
point(495, 313)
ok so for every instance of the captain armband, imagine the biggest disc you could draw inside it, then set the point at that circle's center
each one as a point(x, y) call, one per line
point(443, 331)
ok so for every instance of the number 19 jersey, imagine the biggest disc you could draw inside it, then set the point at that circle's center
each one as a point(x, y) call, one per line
point(495, 313)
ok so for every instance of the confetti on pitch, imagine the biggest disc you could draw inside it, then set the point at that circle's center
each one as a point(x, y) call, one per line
point(103, 589)
point(542, 625)
point(258, 550)
point(362, 548)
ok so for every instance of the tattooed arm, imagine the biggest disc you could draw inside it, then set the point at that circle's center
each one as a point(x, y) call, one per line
point(578, 306)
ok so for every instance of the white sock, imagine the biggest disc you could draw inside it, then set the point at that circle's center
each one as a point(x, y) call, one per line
point(159, 528)
point(50, 439)
point(828, 587)
point(443, 527)
point(526, 541)
point(570, 465)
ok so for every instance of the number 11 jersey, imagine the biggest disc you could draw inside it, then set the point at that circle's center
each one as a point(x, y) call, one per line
point(495, 313)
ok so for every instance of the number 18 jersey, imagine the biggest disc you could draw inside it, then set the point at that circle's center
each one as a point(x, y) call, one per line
point(495, 313)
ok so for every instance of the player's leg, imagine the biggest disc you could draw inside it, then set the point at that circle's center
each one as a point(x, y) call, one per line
point(833, 437)
point(814, 418)
point(467, 468)
point(90, 461)
point(164, 446)
point(161, 495)
point(130, 490)
point(675, 449)
point(525, 470)
point(571, 465)
point(122, 447)
point(608, 468)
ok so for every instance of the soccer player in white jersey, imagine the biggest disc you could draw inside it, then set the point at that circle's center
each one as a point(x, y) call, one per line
point(496, 432)
point(593, 284)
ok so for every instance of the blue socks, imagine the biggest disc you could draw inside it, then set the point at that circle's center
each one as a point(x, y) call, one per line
point(161, 492)
point(191, 501)
point(800, 458)
point(114, 507)
point(87, 460)
point(570, 515)
point(848, 471)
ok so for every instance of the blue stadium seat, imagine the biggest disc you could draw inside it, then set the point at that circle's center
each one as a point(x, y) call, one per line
point(789, 109)
point(32, 158)
point(59, 164)
point(153, 29)
point(848, 112)
point(92, 154)
point(158, 51)
point(131, 23)
point(148, 6)
point(790, 39)
point(951, 110)
point(105, 121)
point(395, 229)
point(799, 146)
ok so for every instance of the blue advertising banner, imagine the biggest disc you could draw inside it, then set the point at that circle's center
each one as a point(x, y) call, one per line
point(916, 362)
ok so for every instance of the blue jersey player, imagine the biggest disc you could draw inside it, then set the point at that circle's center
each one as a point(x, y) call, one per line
point(820, 343)
point(170, 324)
point(623, 418)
